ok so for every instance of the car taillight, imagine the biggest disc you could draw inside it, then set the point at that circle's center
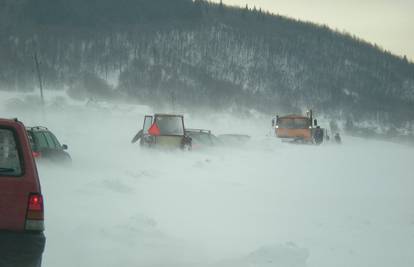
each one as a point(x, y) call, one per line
point(35, 213)
point(36, 202)
point(36, 154)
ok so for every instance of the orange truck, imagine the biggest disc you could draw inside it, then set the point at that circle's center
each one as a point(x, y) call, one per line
point(296, 128)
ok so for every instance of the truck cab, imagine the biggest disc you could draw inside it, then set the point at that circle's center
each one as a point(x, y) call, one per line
point(294, 127)
point(164, 131)
point(298, 128)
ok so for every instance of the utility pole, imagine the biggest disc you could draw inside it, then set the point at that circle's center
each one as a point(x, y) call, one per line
point(39, 76)
point(173, 100)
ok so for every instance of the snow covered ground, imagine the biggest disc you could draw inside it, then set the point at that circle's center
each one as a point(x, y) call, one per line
point(263, 204)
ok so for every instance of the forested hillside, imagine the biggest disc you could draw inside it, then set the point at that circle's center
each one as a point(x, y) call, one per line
point(202, 55)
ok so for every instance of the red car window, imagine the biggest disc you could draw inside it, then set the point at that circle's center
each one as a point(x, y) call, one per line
point(10, 162)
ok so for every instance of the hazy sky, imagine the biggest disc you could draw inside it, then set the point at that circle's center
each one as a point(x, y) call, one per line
point(388, 23)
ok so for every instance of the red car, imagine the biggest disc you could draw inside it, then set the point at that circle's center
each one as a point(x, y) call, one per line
point(21, 201)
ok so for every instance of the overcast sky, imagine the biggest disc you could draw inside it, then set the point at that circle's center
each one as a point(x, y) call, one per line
point(388, 23)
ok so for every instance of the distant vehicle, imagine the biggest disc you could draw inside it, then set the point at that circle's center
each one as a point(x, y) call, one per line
point(234, 139)
point(45, 145)
point(337, 138)
point(318, 135)
point(21, 200)
point(298, 128)
point(164, 131)
point(326, 135)
point(202, 138)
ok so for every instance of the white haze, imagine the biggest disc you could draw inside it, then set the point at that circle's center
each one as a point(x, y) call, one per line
point(263, 204)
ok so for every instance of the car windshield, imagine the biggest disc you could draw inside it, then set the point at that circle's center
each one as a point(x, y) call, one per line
point(10, 164)
point(52, 141)
point(44, 140)
point(170, 125)
point(40, 140)
point(294, 123)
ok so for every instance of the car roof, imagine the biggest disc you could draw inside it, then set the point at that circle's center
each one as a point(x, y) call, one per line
point(8, 121)
point(198, 131)
point(293, 116)
point(37, 128)
point(235, 135)
point(168, 115)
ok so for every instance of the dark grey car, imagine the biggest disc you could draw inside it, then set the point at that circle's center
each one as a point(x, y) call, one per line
point(202, 138)
point(45, 145)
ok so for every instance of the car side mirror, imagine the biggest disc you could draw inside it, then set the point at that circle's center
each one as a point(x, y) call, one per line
point(64, 147)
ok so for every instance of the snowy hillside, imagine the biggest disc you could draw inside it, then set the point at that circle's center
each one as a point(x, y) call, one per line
point(263, 204)
point(203, 55)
